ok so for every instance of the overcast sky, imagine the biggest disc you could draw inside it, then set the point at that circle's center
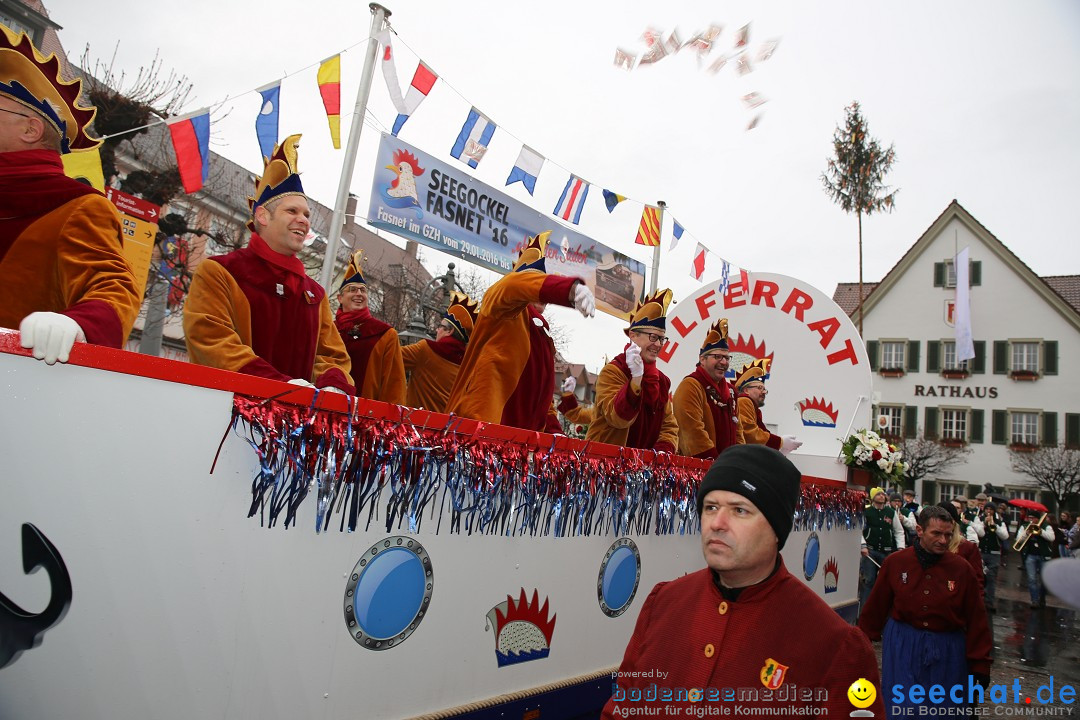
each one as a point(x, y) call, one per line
point(981, 99)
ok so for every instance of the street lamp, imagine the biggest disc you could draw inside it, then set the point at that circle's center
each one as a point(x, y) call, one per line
point(418, 329)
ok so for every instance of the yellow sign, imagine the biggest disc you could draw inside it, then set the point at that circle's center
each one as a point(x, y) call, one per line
point(85, 166)
point(138, 247)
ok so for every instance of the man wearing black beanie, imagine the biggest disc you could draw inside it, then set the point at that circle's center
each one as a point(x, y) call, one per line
point(742, 622)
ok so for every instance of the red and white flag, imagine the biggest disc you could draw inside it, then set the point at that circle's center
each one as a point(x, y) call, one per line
point(423, 80)
point(697, 267)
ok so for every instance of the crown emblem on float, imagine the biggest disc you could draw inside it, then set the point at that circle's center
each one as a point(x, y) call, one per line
point(744, 351)
point(817, 413)
point(832, 575)
point(33, 80)
point(522, 629)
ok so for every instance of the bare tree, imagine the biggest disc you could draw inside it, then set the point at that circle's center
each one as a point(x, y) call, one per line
point(924, 457)
point(1056, 469)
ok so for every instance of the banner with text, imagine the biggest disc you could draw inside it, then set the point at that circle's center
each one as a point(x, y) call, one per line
point(418, 197)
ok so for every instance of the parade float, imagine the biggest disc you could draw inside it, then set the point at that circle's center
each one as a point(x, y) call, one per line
point(180, 541)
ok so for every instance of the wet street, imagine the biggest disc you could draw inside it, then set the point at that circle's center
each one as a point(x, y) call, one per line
point(1034, 646)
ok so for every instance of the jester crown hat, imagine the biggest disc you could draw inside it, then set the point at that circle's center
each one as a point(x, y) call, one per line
point(532, 255)
point(33, 80)
point(354, 273)
point(280, 177)
point(754, 372)
point(716, 339)
point(650, 313)
point(462, 314)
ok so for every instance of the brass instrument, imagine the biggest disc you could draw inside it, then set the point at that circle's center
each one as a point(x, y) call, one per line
point(1032, 528)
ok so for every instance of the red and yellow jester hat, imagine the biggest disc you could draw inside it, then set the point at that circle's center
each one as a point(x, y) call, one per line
point(531, 257)
point(33, 80)
point(354, 273)
point(716, 339)
point(462, 314)
point(650, 313)
point(279, 178)
point(752, 373)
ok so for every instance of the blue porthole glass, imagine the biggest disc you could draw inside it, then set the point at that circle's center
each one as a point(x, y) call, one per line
point(388, 593)
point(620, 573)
point(811, 556)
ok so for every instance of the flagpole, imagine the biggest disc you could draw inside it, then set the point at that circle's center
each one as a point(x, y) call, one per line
point(656, 250)
point(379, 14)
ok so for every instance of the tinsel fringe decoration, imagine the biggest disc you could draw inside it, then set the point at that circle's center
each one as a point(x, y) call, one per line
point(392, 474)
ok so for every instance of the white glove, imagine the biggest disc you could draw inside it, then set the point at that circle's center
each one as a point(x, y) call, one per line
point(634, 362)
point(789, 443)
point(569, 384)
point(584, 301)
point(301, 382)
point(51, 335)
point(332, 389)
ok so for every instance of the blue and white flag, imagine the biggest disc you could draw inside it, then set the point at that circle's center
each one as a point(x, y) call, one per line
point(266, 123)
point(572, 200)
point(676, 235)
point(526, 168)
point(473, 139)
point(725, 278)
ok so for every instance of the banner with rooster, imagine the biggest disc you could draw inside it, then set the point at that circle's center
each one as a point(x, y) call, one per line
point(415, 196)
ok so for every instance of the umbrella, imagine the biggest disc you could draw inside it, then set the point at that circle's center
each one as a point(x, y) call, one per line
point(1028, 505)
point(998, 499)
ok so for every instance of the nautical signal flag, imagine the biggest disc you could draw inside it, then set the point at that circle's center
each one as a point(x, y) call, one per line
point(676, 235)
point(423, 79)
point(697, 267)
point(329, 79)
point(649, 230)
point(266, 122)
point(85, 166)
point(572, 200)
point(191, 143)
point(611, 200)
point(526, 168)
point(473, 139)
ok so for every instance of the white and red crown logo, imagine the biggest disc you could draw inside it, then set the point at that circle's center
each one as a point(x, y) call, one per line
point(832, 575)
point(818, 413)
point(522, 629)
point(744, 352)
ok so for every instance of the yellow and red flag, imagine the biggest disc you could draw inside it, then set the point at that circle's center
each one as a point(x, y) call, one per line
point(330, 88)
point(649, 231)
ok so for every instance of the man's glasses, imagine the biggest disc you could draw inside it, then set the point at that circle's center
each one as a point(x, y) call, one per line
point(653, 338)
point(716, 356)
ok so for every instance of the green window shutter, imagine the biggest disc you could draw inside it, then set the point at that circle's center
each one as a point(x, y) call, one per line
point(930, 426)
point(933, 356)
point(978, 363)
point(1001, 357)
point(1050, 357)
point(1049, 435)
point(939, 274)
point(929, 492)
point(872, 352)
point(911, 422)
point(976, 272)
point(1072, 430)
point(1000, 421)
point(913, 356)
point(975, 433)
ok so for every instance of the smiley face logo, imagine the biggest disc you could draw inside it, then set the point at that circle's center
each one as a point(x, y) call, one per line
point(862, 693)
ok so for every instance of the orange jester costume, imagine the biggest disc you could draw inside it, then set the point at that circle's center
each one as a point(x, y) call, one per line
point(60, 246)
point(433, 364)
point(508, 373)
point(753, 426)
point(704, 407)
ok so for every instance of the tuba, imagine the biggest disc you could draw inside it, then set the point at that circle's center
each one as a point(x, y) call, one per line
point(1032, 528)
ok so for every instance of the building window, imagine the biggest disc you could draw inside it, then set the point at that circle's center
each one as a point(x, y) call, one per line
point(949, 362)
point(892, 356)
point(950, 274)
point(1025, 428)
point(954, 426)
point(950, 490)
point(1025, 357)
point(891, 421)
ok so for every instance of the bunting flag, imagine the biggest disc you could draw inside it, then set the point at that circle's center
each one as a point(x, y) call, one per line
point(423, 80)
point(697, 267)
point(965, 346)
point(329, 79)
point(725, 277)
point(266, 122)
point(474, 138)
point(526, 168)
point(676, 235)
point(572, 200)
point(649, 230)
point(611, 200)
point(85, 166)
point(191, 143)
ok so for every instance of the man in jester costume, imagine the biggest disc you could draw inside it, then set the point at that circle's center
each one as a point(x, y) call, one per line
point(704, 402)
point(432, 365)
point(255, 310)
